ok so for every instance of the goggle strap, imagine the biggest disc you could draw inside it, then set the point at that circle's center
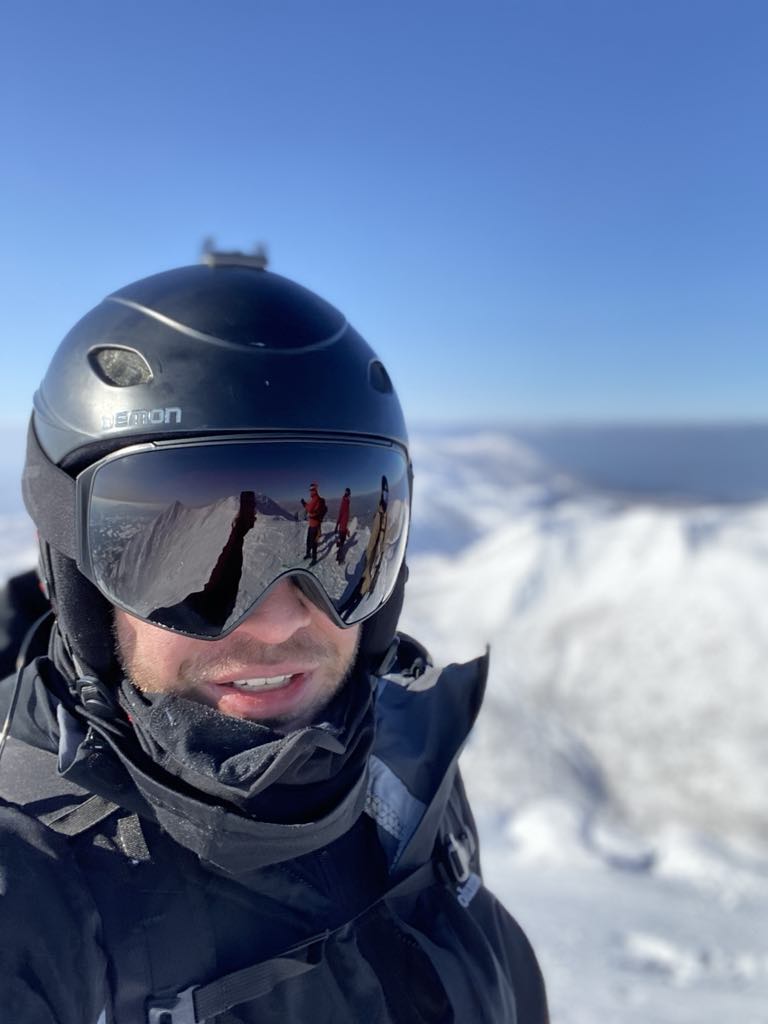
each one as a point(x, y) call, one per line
point(49, 495)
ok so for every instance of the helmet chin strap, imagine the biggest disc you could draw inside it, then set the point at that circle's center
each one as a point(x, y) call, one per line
point(84, 623)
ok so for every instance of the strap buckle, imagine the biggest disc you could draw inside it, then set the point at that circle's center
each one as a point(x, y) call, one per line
point(458, 855)
point(179, 1009)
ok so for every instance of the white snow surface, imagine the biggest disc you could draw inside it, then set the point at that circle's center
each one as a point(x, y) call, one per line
point(617, 768)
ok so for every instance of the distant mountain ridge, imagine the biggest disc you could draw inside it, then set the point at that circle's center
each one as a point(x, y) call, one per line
point(721, 462)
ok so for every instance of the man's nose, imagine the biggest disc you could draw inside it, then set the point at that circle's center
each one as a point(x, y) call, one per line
point(279, 615)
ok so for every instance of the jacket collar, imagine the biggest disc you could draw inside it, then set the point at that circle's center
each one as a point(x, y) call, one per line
point(421, 725)
point(94, 755)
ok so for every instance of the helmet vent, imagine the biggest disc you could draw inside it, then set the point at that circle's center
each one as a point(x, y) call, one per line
point(380, 378)
point(119, 367)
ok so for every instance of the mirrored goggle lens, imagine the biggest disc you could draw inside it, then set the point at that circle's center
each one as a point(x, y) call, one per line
point(191, 537)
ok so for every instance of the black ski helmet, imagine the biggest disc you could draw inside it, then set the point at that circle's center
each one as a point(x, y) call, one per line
point(195, 352)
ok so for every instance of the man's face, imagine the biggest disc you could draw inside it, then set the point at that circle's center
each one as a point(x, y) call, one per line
point(281, 666)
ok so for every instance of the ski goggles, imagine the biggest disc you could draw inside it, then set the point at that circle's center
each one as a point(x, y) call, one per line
point(190, 535)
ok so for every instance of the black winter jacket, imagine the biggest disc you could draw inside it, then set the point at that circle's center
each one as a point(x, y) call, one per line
point(124, 900)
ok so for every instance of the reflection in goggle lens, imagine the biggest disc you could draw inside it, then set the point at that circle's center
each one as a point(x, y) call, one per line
point(191, 537)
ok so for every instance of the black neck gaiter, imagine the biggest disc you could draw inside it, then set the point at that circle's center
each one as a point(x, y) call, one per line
point(286, 779)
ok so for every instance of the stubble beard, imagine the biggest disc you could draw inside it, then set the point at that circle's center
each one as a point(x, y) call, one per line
point(334, 670)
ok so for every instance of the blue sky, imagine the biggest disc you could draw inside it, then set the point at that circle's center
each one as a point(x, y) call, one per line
point(533, 210)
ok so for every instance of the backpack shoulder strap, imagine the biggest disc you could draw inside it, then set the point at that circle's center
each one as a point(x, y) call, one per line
point(29, 775)
point(29, 779)
point(72, 821)
point(200, 1003)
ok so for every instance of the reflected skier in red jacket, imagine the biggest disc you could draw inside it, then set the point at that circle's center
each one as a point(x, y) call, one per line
point(342, 525)
point(315, 509)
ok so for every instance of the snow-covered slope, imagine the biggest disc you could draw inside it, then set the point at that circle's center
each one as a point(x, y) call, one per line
point(633, 629)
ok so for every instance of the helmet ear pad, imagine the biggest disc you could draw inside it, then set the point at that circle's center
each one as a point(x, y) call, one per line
point(380, 630)
point(84, 615)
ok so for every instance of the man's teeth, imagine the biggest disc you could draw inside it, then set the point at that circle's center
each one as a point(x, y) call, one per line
point(262, 683)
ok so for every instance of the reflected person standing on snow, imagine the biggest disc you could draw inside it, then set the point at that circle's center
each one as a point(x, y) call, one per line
point(315, 509)
point(342, 525)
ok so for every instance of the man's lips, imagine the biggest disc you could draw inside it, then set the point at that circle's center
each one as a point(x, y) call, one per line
point(259, 672)
point(257, 702)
